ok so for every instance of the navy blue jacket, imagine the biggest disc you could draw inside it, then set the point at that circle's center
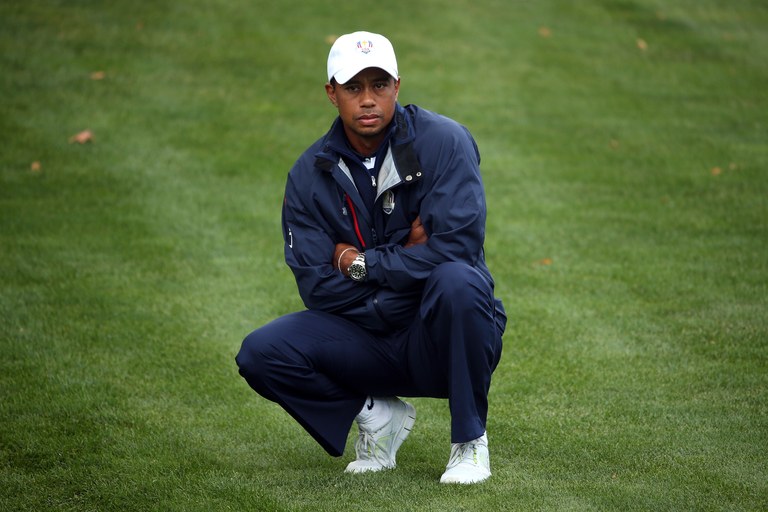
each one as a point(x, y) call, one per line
point(431, 169)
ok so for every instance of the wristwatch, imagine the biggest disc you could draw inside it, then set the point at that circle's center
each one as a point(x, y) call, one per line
point(356, 270)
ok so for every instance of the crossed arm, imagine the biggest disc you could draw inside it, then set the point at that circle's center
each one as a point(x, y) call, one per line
point(342, 257)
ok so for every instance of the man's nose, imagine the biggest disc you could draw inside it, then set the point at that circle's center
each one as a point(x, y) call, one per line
point(367, 99)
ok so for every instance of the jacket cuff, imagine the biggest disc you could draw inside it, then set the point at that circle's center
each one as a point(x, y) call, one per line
point(372, 267)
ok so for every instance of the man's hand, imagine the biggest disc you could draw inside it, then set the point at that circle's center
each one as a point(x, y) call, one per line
point(343, 256)
point(417, 235)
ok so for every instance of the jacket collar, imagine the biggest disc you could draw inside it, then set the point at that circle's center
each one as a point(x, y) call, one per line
point(334, 145)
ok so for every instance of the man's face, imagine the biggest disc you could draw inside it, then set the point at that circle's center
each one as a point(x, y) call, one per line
point(366, 104)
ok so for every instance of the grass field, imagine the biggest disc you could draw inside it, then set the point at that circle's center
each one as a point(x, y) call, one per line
point(624, 143)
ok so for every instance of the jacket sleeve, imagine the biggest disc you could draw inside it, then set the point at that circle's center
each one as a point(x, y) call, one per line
point(452, 211)
point(309, 248)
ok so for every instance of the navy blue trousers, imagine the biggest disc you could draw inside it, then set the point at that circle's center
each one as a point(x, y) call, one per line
point(320, 367)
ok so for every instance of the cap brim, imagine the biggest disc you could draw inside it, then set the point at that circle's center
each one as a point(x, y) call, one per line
point(345, 75)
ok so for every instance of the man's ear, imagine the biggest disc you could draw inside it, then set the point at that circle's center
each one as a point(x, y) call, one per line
point(330, 90)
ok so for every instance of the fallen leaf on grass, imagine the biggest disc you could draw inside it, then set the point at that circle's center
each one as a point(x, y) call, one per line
point(717, 171)
point(642, 44)
point(98, 75)
point(35, 166)
point(331, 38)
point(544, 262)
point(82, 137)
point(545, 31)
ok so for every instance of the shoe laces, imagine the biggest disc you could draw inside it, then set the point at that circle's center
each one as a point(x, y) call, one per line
point(367, 448)
point(464, 452)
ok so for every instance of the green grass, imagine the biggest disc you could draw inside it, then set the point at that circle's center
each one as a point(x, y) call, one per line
point(635, 273)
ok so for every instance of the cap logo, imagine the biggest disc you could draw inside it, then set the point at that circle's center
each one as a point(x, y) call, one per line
point(365, 46)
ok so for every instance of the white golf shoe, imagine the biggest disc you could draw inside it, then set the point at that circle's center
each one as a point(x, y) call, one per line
point(387, 423)
point(469, 462)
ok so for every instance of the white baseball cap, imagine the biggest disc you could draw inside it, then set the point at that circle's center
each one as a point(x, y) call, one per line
point(352, 53)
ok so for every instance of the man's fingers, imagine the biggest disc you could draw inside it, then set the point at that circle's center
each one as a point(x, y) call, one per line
point(418, 234)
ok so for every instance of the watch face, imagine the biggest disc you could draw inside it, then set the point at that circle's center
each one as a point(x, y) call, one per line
point(357, 270)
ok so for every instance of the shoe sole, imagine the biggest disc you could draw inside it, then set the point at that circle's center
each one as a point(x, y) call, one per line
point(459, 481)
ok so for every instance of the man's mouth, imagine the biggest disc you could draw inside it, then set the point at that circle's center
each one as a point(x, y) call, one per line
point(368, 119)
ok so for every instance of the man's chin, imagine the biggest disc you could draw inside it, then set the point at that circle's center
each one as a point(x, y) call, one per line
point(369, 132)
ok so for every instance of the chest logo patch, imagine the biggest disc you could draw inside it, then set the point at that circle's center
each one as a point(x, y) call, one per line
point(388, 203)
